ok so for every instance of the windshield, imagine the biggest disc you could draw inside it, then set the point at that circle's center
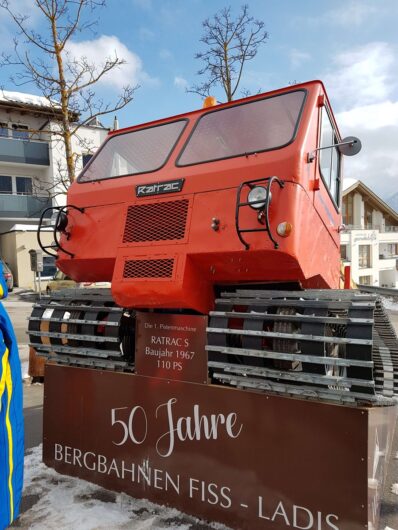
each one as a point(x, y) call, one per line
point(139, 151)
point(252, 127)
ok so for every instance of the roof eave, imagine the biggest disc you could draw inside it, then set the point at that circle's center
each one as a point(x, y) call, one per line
point(383, 205)
point(52, 112)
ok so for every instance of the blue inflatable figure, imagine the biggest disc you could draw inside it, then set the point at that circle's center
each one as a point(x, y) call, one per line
point(11, 418)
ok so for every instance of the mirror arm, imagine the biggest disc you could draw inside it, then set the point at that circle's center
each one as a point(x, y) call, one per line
point(311, 155)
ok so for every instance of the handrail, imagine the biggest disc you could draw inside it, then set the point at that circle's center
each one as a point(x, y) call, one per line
point(251, 184)
point(61, 210)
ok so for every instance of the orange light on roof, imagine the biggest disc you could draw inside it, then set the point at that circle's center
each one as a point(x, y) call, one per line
point(284, 229)
point(210, 101)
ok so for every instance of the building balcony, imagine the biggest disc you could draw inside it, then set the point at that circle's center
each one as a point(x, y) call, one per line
point(388, 229)
point(23, 206)
point(24, 152)
point(388, 237)
point(387, 262)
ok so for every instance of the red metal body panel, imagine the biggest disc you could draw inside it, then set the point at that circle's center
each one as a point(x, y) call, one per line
point(203, 257)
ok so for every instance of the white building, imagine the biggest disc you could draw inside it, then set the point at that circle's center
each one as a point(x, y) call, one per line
point(31, 162)
point(370, 241)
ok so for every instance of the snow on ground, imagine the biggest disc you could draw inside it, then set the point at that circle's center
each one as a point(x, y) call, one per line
point(62, 503)
point(25, 369)
point(390, 304)
point(394, 489)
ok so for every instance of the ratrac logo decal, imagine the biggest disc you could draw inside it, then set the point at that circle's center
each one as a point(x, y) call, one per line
point(159, 188)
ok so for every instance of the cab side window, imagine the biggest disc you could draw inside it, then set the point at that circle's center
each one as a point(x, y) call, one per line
point(329, 159)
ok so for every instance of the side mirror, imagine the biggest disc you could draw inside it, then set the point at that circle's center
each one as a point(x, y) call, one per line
point(350, 146)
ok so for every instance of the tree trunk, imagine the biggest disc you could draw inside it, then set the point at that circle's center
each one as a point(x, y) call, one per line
point(64, 92)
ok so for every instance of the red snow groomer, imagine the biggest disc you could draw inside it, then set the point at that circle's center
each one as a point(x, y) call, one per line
point(231, 212)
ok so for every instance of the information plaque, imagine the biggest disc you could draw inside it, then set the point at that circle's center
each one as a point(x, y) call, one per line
point(170, 346)
point(249, 460)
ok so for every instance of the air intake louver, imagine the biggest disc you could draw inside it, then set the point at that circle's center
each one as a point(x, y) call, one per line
point(163, 221)
point(148, 268)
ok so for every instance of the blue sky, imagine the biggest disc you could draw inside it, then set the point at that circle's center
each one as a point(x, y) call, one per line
point(350, 44)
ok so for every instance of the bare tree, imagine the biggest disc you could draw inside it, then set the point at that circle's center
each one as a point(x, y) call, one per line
point(68, 83)
point(230, 43)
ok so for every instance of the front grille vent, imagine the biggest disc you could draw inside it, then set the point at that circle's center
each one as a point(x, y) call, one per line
point(148, 268)
point(162, 221)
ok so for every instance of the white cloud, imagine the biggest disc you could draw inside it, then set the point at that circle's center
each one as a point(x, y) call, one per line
point(8, 28)
point(362, 84)
point(298, 57)
point(377, 127)
point(165, 54)
point(107, 46)
point(370, 117)
point(143, 4)
point(352, 13)
point(362, 76)
point(146, 34)
point(22, 8)
point(349, 14)
point(180, 82)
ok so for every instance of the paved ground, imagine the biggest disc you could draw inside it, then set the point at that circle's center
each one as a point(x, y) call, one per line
point(20, 307)
point(33, 414)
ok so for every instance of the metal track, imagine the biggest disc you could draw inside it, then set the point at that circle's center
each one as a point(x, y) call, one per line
point(83, 327)
point(330, 345)
point(322, 344)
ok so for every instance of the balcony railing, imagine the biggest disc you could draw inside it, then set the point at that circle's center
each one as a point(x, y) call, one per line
point(23, 206)
point(388, 264)
point(373, 227)
point(24, 151)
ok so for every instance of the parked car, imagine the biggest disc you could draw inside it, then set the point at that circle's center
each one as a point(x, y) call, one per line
point(61, 281)
point(8, 276)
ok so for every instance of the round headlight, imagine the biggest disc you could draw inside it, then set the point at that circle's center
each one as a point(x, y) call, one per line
point(257, 197)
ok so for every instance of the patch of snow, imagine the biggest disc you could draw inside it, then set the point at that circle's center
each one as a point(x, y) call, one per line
point(394, 489)
point(25, 369)
point(390, 304)
point(348, 182)
point(27, 99)
point(66, 502)
point(28, 228)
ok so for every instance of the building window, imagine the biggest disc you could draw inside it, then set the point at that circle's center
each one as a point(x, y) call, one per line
point(365, 280)
point(86, 158)
point(49, 268)
point(364, 260)
point(329, 159)
point(5, 184)
point(348, 210)
point(392, 250)
point(21, 132)
point(368, 216)
point(3, 129)
point(24, 185)
point(343, 252)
